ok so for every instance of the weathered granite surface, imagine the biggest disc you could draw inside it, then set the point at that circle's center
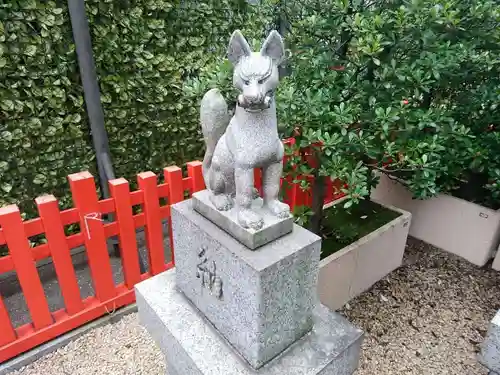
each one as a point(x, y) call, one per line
point(192, 346)
point(260, 301)
point(274, 227)
point(490, 348)
point(236, 146)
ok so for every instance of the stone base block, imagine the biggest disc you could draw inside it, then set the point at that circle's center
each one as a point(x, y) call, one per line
point(273, 228)
point(490, 348)
point(192, 346)
point(261, 301)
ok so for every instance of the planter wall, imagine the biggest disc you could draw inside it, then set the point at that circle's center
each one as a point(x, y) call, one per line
point(452, 224)
point(354, 269)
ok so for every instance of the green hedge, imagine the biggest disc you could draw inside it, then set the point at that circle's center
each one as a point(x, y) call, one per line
point(43, 126)
point(144, 51)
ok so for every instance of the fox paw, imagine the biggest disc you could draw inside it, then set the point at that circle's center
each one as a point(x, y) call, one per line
point(249, 219)
point(222, 202)
point(279, 209)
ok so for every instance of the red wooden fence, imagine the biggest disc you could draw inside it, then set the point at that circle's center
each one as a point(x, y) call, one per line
point(295, 196)
point(88, 211)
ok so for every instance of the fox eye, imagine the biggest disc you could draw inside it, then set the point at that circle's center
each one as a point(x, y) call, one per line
point(246, 82)
point(261, 81)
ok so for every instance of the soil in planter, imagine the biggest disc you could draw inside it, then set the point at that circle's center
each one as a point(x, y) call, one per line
point(474, 190)
point(341, 227)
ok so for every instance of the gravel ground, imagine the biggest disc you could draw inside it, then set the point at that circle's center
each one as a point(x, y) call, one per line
point(122, 348)
point(426, 318)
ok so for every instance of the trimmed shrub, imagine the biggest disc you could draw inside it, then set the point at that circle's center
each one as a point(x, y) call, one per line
point(43, 126)
point(144, 51)
point(410, 88)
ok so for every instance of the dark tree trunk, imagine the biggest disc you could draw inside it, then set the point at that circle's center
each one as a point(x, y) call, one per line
point(427, 100)
point(283, 24)
point(318, 197)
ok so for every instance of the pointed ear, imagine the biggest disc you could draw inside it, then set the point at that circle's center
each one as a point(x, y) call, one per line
point(274, 47)
point(238, 47)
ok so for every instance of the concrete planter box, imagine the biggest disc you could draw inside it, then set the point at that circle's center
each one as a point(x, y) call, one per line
point(354, 269)
point(452, 224)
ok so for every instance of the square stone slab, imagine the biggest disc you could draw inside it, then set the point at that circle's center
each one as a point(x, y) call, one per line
point(261, 301)
point(490, 348)
point(192, 346)
point(273, 228)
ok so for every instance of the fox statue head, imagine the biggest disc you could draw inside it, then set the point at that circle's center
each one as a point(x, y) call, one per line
point(256, 73)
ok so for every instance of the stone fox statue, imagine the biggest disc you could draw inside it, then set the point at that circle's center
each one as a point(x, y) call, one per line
point(234, 147)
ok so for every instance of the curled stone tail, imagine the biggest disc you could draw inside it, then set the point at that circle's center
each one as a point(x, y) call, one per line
point(214, 118)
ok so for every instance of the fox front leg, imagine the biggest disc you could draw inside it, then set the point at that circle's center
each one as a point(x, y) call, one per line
point(271, 187)
point(220, 198)
point(244, 178)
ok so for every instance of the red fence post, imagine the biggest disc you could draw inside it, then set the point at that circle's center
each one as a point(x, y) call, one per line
point(288, 186)
point(60, 252)
point(337, 189)
point(290, 192)
point(120, 191)
point(154, 235)
point(7, 331)
point(173, 175)
point(20, 252)
point(302, 195)
point(85, 200)
point(257, 176)
point(195, 171)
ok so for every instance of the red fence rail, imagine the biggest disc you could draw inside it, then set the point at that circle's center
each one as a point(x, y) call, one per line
point(87, 212)
point(295, 196)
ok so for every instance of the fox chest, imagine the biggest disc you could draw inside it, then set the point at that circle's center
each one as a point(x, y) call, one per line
point(255, 149)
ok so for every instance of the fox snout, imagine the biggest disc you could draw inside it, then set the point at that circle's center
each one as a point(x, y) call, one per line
point(252, 94)
point(262, 101)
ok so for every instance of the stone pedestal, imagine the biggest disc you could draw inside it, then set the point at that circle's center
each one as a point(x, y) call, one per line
point(261, 301)
point(490, 348)
point(228, 309)
point(193, 346)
